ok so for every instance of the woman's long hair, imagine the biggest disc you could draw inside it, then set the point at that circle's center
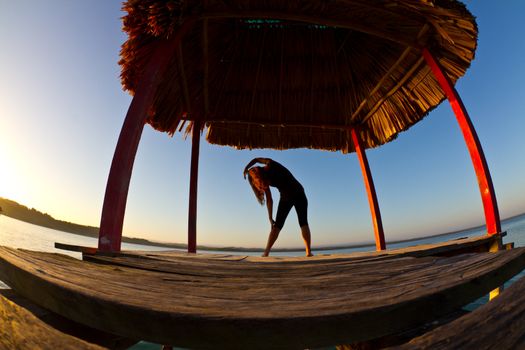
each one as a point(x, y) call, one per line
point(258, 181)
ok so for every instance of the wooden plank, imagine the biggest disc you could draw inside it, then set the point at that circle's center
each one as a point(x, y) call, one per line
point(404, 336)
point(68, 327)
point(447, 248)
point(242, 304)
point(22, 330)
point(191, 264)
point(500, 324)
point(75, 248)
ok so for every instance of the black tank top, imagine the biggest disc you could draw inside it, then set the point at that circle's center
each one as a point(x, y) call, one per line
point(283, 180)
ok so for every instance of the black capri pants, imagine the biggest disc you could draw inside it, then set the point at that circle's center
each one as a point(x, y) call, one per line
point(299, 201)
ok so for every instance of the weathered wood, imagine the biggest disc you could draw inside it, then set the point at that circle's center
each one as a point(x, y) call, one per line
point(500, 324)
point(20, 329)
point(180, 262)
point(448, 248)
point(75, 248)
point(66, 326)
point(476, 244)
point(210, 303)
point(404, 336)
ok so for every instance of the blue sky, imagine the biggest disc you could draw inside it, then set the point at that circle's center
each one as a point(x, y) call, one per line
point(62, 107)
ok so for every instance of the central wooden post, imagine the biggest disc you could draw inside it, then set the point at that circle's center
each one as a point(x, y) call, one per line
point(371, 191)
point(194, 175)
point(486, 188)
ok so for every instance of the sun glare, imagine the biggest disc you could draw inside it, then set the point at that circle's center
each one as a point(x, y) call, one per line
point(13, 184)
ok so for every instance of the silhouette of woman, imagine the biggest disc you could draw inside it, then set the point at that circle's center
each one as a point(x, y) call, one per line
point(291, 195)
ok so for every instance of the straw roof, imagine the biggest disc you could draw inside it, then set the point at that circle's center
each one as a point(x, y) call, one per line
point(289, 74)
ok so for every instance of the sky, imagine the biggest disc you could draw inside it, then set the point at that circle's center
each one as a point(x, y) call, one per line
point(62, 107)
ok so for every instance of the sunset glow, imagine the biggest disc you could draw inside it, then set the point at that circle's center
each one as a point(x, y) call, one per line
point(13, 179)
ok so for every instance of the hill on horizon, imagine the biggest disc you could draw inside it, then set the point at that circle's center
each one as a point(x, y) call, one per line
point(21, 212)
point(31, 215)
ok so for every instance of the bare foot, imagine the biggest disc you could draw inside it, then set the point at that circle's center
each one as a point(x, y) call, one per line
point(309, 254)
point(264, 255)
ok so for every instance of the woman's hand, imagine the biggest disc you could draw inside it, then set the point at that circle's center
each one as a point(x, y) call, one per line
point(272, 222)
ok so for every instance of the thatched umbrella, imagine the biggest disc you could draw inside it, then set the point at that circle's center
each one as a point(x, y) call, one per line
point(339, 75)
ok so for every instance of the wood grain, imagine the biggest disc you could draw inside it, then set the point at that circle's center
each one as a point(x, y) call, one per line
point(66, 326)
point(22, 330)
point(214, 303)
point(500, 324)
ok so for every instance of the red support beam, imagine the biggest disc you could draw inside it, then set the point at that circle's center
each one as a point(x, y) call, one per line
point(486, 188)
point(112, 218)
point(370, 189)
point(194, 175)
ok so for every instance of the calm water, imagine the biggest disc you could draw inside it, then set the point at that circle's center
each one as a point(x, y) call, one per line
point(19, 234)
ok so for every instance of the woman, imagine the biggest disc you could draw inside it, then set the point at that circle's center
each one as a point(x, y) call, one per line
point(292, 195)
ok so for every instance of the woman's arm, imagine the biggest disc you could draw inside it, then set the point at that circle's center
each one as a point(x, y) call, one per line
point(254, 161)
point(269, 205)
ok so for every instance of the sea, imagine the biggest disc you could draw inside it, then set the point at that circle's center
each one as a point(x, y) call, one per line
point(19, 234)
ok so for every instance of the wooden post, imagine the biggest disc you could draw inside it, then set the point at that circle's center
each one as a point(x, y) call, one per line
point(496, 246)
point(112, 218)
point(370, 189)
point(194, 174)
point(486, 187)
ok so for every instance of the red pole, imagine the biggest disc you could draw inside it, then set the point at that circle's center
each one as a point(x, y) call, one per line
point(371, 190)
point(112, 218)
point(488, 195)
point(194, 174)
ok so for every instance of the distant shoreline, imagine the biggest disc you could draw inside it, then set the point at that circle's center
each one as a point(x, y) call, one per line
point(294, 249)
point(20, 212)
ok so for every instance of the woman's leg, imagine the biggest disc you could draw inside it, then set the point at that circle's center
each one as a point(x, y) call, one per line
point(283, 209)
point(301, 207)
point(274, 233)
point(305, 232)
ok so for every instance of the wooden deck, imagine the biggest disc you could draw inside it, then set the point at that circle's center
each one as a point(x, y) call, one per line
point(475, 244)
point(499, 324)
point(227, 301)
point(464, 245)
point(28, 326)
point(20, 329)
